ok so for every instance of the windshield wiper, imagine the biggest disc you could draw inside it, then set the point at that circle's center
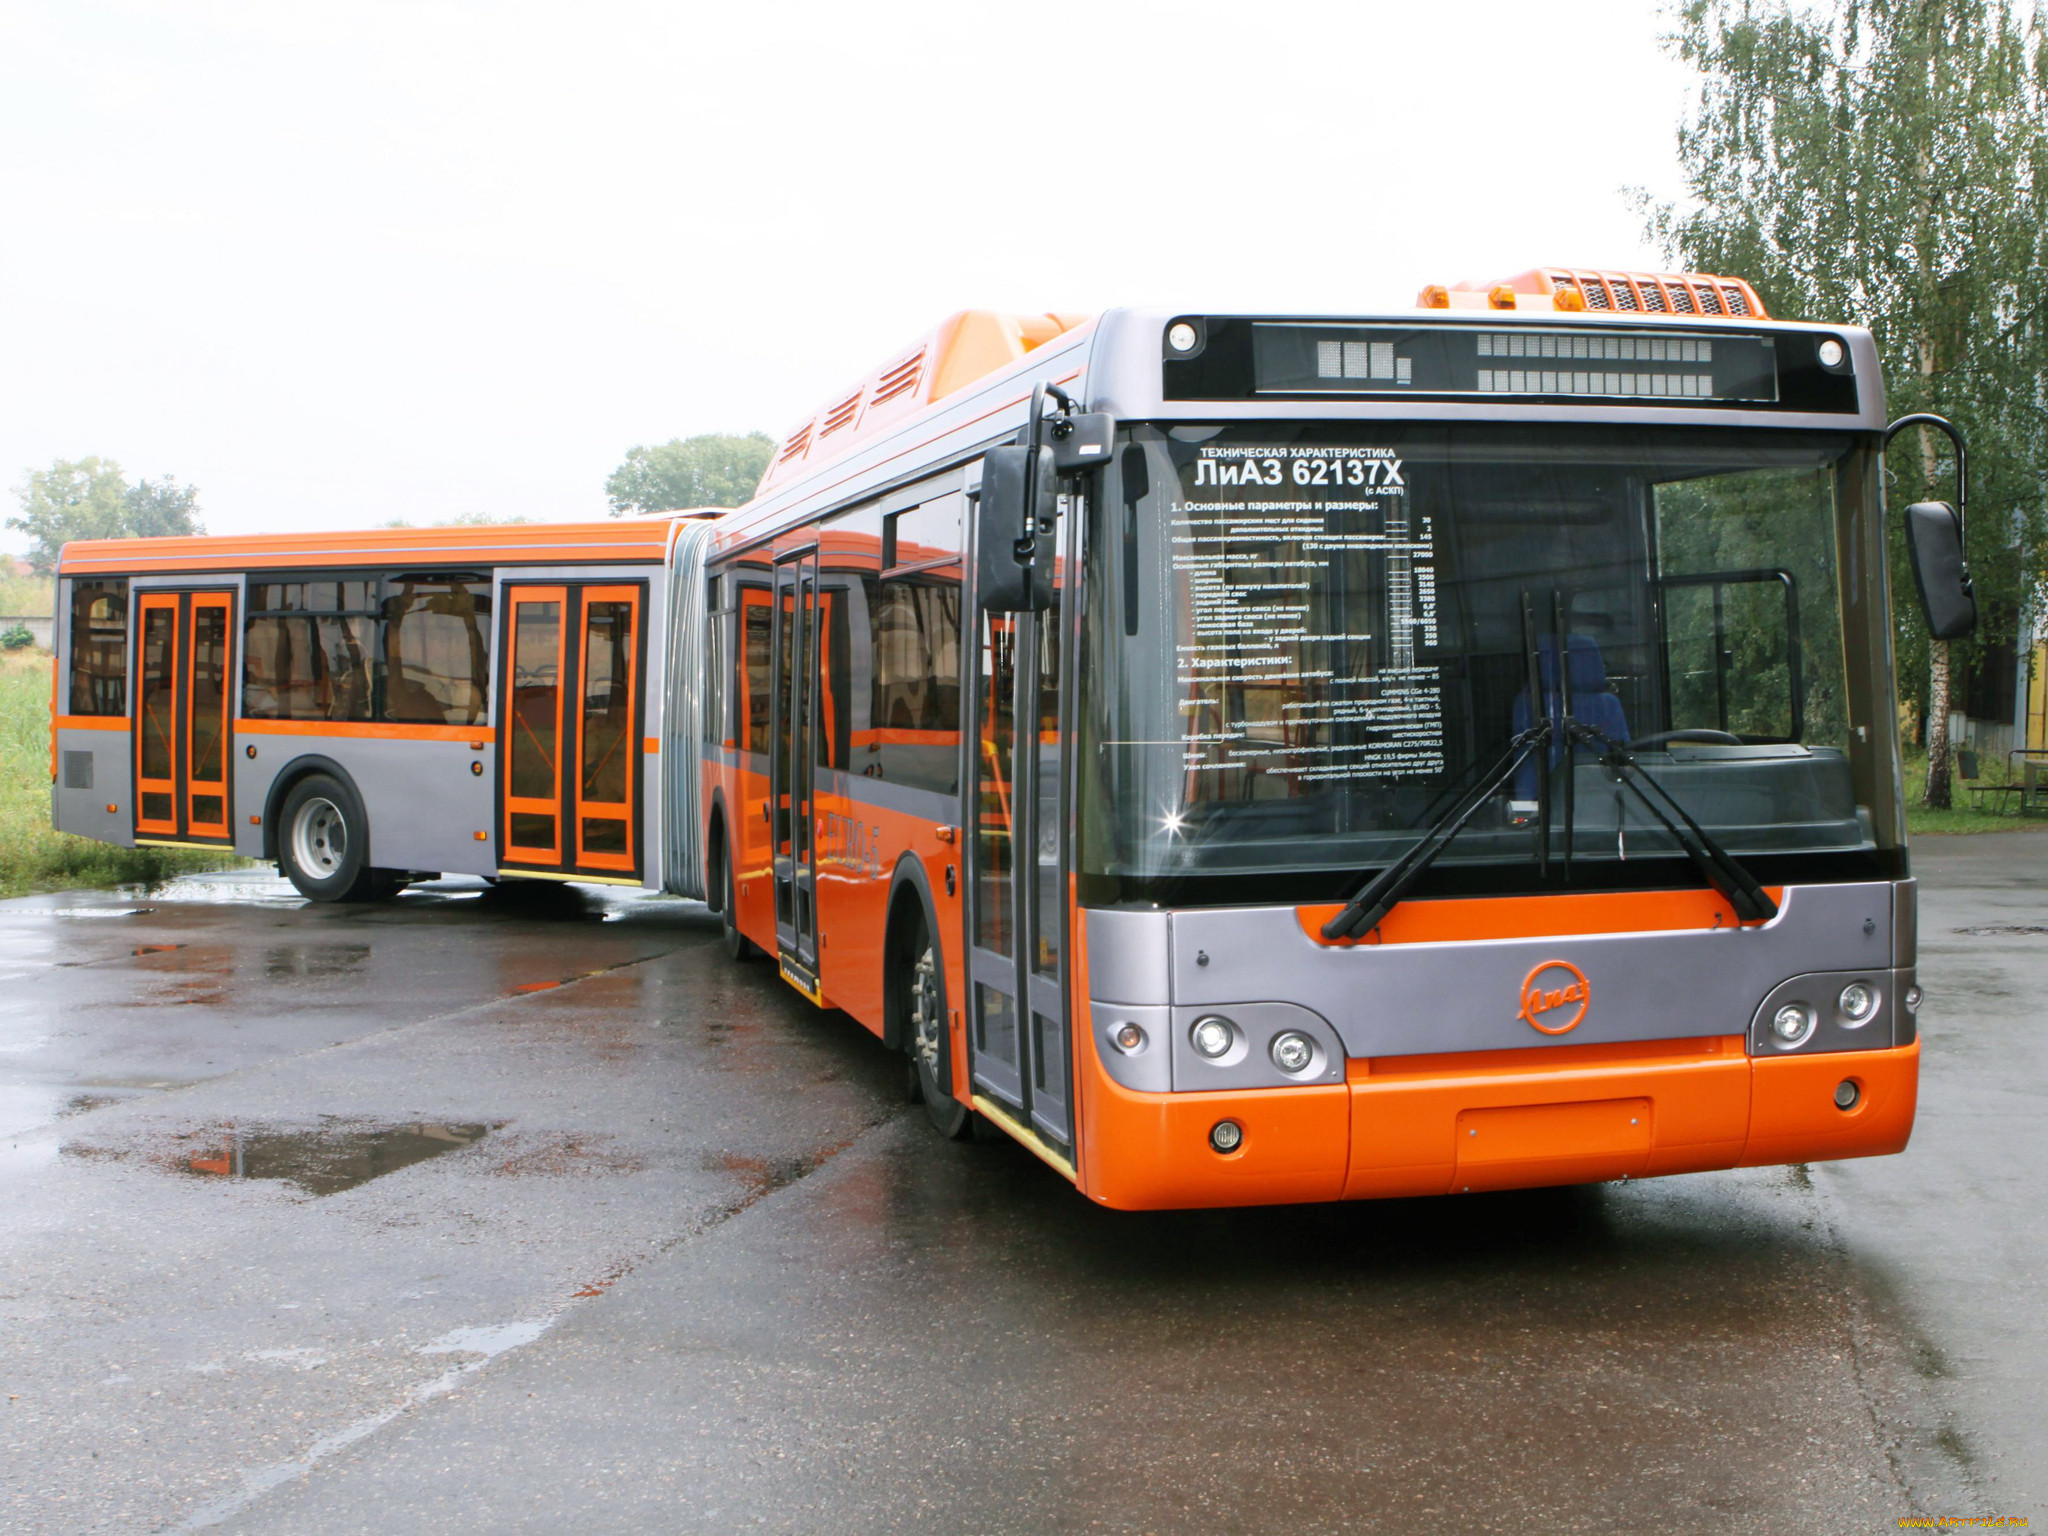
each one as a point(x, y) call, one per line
point(1380, 897)
point(1384, 892)
point(1716, 865)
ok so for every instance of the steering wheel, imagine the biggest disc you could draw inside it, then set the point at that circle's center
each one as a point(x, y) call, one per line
point(1698, 736)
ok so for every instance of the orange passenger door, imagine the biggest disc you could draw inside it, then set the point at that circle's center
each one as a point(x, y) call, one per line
point(183, 713)
point(571, 709)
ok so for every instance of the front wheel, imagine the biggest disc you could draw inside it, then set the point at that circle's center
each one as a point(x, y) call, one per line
point(322, 842)
point(921, 991)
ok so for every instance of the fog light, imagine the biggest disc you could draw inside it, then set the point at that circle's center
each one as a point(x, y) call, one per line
point(1293, 1051)
point(1212, 1037)
point(1857, 1002)
point(1847, 1093)
point(1129, 1039)
point(1792, 1023)
point(1226, 1136)
point(1181, 337)
point(1912, 999)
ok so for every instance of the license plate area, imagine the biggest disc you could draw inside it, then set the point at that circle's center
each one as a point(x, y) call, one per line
point(1576, 1143)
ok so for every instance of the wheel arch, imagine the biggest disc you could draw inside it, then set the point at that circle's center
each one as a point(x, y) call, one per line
point(288, 777)
point(910, 892)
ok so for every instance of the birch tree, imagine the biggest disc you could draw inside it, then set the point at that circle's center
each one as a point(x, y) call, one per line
point(1885, 162)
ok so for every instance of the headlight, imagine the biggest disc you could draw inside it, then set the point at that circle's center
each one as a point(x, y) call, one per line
point(1857, 1002)
point(1226, 1136)
point(1212, 1037)
point(1792, 1023)
point(1293, 1051)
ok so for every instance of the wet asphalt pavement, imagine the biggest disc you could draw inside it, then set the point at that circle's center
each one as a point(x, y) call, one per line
point(531, 1212)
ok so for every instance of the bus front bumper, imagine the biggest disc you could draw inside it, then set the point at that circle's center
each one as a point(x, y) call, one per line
point(1453, 1124)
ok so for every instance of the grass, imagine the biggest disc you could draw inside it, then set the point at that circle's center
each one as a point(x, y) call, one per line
point(34, 856)
point(1965, 816)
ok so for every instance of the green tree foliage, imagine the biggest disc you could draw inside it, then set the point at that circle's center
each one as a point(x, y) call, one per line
point(92, 499)
point(715, 469)
point(1885, 162)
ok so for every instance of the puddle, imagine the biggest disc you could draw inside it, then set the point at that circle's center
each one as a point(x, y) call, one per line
point(330, 1159)
point(95, 911)
point(2004, 930)
point(287, 962)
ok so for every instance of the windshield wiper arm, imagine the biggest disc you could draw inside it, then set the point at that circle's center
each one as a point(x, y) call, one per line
point(1716, 865)
point(1364, 911)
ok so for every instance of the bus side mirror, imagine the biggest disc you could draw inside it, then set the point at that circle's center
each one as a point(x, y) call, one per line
point(1934, 541)
point(1013, 553)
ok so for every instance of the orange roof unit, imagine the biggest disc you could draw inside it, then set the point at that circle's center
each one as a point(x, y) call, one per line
point(965, 347)
point(1585, 290)
point(624, 540)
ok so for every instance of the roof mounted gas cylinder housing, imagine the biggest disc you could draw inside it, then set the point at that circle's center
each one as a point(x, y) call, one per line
point(1577, 290)
point(964, 348)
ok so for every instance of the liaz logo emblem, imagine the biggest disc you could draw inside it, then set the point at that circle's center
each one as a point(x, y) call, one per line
point(1555, 997)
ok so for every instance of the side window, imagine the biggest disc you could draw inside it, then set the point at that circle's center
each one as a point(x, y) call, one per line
point(835, 662)
point(757, 628)
point(719, 645)
point(99, 647)
point(914, 712)
point(310, 649)
point(437, 660)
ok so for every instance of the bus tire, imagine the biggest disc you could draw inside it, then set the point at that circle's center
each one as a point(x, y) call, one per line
point(737, 945)
point(322, 840)
point(921, 993)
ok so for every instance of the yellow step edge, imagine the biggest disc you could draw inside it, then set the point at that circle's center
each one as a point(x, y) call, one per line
point(1017, 1129)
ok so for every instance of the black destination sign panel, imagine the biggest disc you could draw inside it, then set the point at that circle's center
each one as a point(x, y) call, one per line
point(1637, 366)
point(1219, 357)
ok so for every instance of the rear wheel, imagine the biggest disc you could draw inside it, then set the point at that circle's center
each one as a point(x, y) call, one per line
point(322, 842)
point(921, 994)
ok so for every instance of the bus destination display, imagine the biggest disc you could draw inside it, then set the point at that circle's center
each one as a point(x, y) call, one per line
point(1641, 367)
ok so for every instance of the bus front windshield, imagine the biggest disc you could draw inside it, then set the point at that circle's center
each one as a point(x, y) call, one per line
point(1303, 640)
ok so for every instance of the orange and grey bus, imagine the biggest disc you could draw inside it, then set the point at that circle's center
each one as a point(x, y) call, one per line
point(1245, 758)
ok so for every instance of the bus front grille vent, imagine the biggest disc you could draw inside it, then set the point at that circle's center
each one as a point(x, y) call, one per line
point(1737, 304)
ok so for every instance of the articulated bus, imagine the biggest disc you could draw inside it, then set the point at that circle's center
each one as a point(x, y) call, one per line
point(1244, 758)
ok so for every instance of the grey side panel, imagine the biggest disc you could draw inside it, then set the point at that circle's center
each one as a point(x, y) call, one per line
point(1129, 956)
point(100, 759)
point(1149, 1069)
point(424, 803)
point(682, 714)
point(1905, 1021)
point(1906, 923)
point(1411, 999)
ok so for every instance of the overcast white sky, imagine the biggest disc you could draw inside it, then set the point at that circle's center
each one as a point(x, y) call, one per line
point(342, 263)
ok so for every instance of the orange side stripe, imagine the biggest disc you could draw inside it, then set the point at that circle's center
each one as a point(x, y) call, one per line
point(1537, 917)
point(92, 723)
point(368, 730)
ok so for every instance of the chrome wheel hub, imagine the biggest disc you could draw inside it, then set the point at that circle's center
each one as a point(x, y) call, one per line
point(319, 838)
point(927, 1023)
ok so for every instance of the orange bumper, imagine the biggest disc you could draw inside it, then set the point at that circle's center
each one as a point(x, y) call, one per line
point(1497, 1120)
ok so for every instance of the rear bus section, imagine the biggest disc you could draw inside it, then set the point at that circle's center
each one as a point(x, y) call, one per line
point(367, 709)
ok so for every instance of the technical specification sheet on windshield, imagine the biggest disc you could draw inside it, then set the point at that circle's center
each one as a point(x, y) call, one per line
point(1308, 589)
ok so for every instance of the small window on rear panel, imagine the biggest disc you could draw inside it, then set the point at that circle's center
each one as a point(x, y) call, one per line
point(99, 646)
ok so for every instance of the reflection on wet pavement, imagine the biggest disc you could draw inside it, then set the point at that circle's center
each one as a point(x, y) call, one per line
point(330, 1158)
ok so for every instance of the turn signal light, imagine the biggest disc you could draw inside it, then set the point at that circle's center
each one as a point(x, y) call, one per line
point(482, 837)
